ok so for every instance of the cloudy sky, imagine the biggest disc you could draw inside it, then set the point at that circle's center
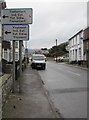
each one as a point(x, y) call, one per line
point(53, 20)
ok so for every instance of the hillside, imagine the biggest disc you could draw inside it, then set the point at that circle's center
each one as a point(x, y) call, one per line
point(59, 50)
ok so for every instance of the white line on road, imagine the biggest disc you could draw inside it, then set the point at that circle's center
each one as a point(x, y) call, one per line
point(74, 73)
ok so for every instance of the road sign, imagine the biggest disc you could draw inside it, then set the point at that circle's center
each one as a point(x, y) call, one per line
point(26, 51)
point(16, 16)
point(16, 32)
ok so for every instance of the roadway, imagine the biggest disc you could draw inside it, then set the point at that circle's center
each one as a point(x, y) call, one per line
point(67, 86)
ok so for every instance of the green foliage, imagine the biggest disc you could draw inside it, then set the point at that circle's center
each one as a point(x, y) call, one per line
point(59, 50)
point(43, 48)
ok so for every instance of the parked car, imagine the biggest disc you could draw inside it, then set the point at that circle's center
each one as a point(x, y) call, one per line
point(65, 58)
point(58, 58)
point(61, 59)
point(38, 61)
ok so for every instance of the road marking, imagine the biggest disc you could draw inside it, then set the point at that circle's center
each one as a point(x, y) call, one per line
point(74, 73)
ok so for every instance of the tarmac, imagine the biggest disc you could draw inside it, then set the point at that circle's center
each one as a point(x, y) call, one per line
point(78, 66)
point(32, 102)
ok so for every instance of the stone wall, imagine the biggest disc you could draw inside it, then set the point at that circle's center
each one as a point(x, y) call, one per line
point(0, 98)
point(6, 86)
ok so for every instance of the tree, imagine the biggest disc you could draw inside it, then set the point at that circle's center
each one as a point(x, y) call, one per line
point(43, 48)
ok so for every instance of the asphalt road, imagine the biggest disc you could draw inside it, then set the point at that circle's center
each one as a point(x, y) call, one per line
point(68, 88)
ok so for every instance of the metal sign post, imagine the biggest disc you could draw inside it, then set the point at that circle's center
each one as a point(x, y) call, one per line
point(16, 33)
point(20, 63)
point(15, 24)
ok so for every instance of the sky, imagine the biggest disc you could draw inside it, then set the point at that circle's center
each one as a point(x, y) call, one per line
point(53, 19)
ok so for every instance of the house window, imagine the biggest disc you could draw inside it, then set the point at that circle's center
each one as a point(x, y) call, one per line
point(76, 54)
point(16, 44)
point(87, 45)
point(80, 38)
point(72, 42)
point(80, 52)
point(5, 54)
point(16, 56)
point(76, 40)
point(73, 54)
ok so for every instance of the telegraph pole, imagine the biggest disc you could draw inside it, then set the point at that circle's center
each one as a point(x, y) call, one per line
point(56, 50)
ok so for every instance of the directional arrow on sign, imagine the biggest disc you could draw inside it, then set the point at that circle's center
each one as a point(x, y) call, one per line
point(6, 32)
point(4, 16)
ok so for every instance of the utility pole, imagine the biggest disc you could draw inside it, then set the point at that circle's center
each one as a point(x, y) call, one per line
point(56, 50)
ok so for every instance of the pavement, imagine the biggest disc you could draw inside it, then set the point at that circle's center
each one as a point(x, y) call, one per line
point(32, 102)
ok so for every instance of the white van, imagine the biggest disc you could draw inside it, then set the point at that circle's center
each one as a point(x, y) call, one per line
point(38, 61)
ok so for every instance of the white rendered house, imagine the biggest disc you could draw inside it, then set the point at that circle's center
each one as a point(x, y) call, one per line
point(76, 47)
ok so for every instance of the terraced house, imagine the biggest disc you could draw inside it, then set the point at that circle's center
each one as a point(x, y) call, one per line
point(86, 46)
point(76, 48)
point(79, 48)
